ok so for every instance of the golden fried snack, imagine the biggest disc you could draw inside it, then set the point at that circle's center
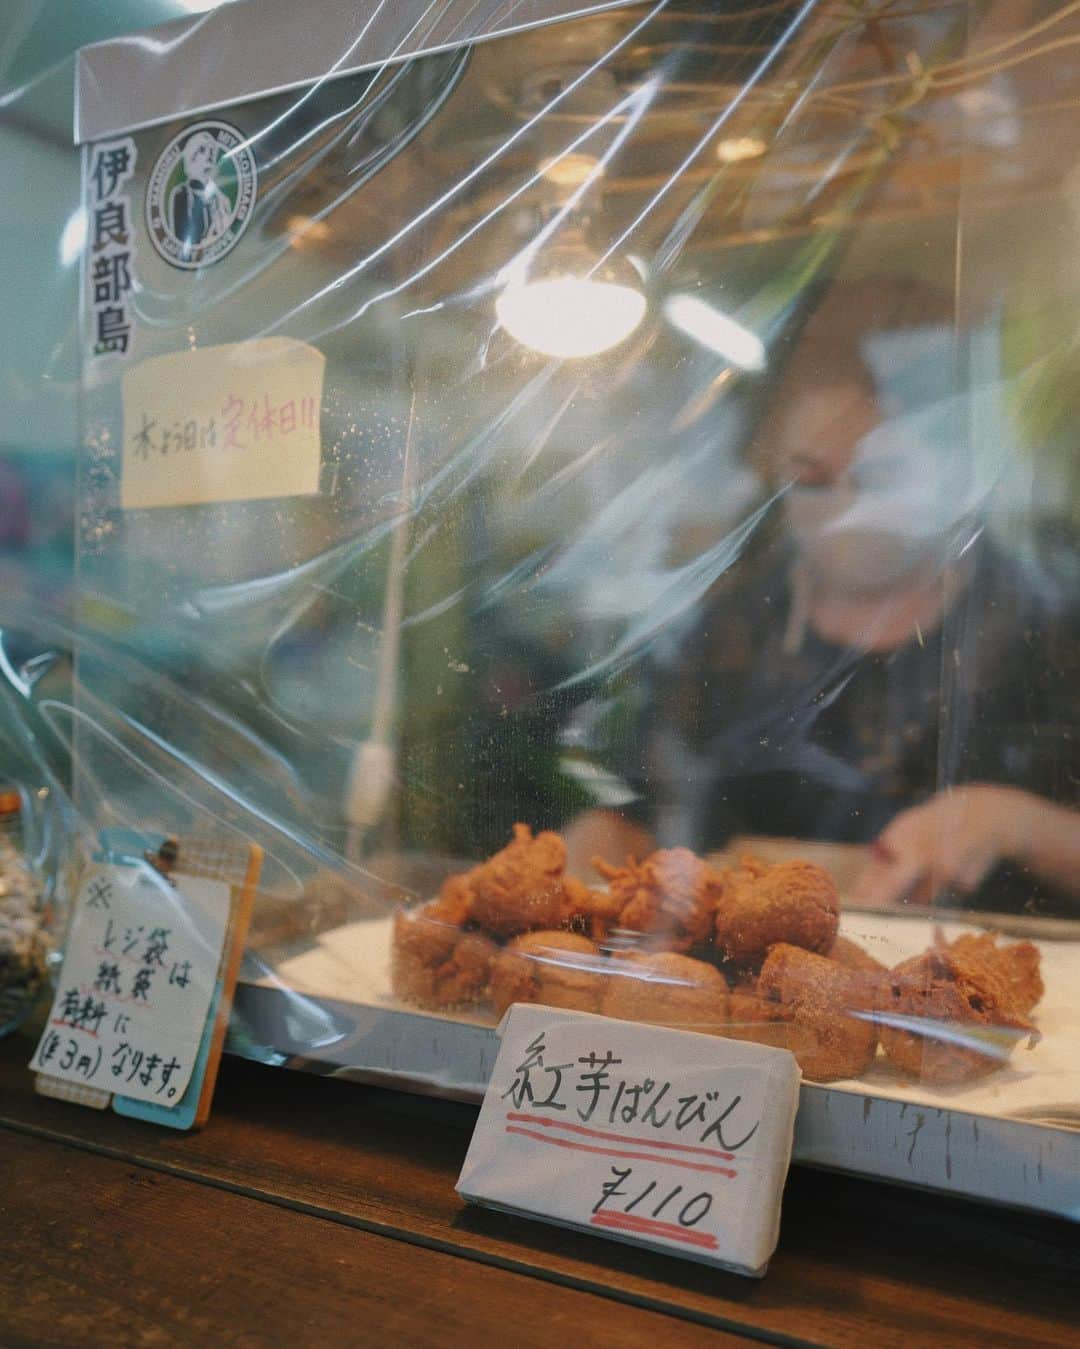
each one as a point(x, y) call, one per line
point(852, 955)
point(755, 1018)
point(593, 913)
point(434, 961)
point(669, 898)
point(521, 887)
point(561, 969)
point(1016, 963)
point(456, 897)
point(665, 989)
point(792, 902)
point(946, 1018)
point(751, 1017)
point(830, 1009)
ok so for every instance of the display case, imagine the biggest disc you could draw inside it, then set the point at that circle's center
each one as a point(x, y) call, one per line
point(590, 490)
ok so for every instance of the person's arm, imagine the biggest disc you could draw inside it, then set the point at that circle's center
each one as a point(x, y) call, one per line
point(956, 838)
point(1052, 846)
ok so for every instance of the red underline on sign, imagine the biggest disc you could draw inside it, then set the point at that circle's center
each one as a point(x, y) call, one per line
point(619, 1152)
point(59, 1021)
point(549, 1123)
point(630, 1222)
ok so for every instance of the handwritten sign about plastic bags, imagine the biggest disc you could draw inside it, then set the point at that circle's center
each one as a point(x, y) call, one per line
point(660, 1137)
point(228, 423)
point(138, 975)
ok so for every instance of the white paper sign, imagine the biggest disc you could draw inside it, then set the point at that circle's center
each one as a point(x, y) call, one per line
point(134, 993)
point(230, 423)
point(660, 1137)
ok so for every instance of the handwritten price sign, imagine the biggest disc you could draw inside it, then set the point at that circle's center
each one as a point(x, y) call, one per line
point(660, 1137)
point(134, 992)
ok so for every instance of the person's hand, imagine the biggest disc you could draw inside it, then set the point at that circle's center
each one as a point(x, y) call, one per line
point(951, 842)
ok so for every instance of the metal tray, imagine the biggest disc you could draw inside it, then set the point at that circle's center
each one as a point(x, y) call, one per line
point(1013, 1138)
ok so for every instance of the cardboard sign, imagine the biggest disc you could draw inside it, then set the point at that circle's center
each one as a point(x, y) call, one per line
point(140, 969)
point(659, 1137)
point(229, 423)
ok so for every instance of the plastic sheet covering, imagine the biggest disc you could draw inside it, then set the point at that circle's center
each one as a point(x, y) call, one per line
point(651, 427)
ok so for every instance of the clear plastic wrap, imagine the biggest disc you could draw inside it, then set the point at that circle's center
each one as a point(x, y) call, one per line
point(642, 433)
point(38, 830)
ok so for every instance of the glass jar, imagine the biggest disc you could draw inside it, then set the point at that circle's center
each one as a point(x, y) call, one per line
point(24, 945)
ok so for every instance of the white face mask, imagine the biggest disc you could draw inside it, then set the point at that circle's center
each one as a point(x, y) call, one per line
point(894, 509)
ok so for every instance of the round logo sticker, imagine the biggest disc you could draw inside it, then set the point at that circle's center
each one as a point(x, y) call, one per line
point(200, 194)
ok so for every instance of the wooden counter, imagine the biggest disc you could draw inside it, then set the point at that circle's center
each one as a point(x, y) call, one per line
point(311, 1211)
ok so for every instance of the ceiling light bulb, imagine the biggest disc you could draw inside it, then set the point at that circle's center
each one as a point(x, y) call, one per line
point(738, 148)
point(570, 317)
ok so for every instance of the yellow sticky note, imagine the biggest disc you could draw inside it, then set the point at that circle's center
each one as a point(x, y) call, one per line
point(236, 422)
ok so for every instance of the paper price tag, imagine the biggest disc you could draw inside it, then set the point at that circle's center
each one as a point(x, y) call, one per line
point(230, 423)
point(660, 1137)
point(134, 993)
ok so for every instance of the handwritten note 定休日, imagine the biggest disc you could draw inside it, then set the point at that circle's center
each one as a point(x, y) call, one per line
point(660, 1137)
point(134, 992)
point(237, 422)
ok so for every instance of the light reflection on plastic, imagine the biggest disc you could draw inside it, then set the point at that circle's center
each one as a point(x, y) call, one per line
point(73, 237)
point(717, 331)
point(569, 317)
point(10, 673)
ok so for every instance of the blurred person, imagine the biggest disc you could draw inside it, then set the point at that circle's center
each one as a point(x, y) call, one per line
point(882, 646)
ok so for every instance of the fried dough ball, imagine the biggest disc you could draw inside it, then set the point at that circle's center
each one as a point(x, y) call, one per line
point(792, 902)
point(434, 961)
point(593, 913)
point(1016, 963)
point(666, 989)
point(669, 898)
point(754, 1019)
point(455, 897)
point(747, 1010)
point(830, 1009)
point(751, 1017)
point(561, 969)
point(851, 955)
point(521, 887)
point(946, 1018)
